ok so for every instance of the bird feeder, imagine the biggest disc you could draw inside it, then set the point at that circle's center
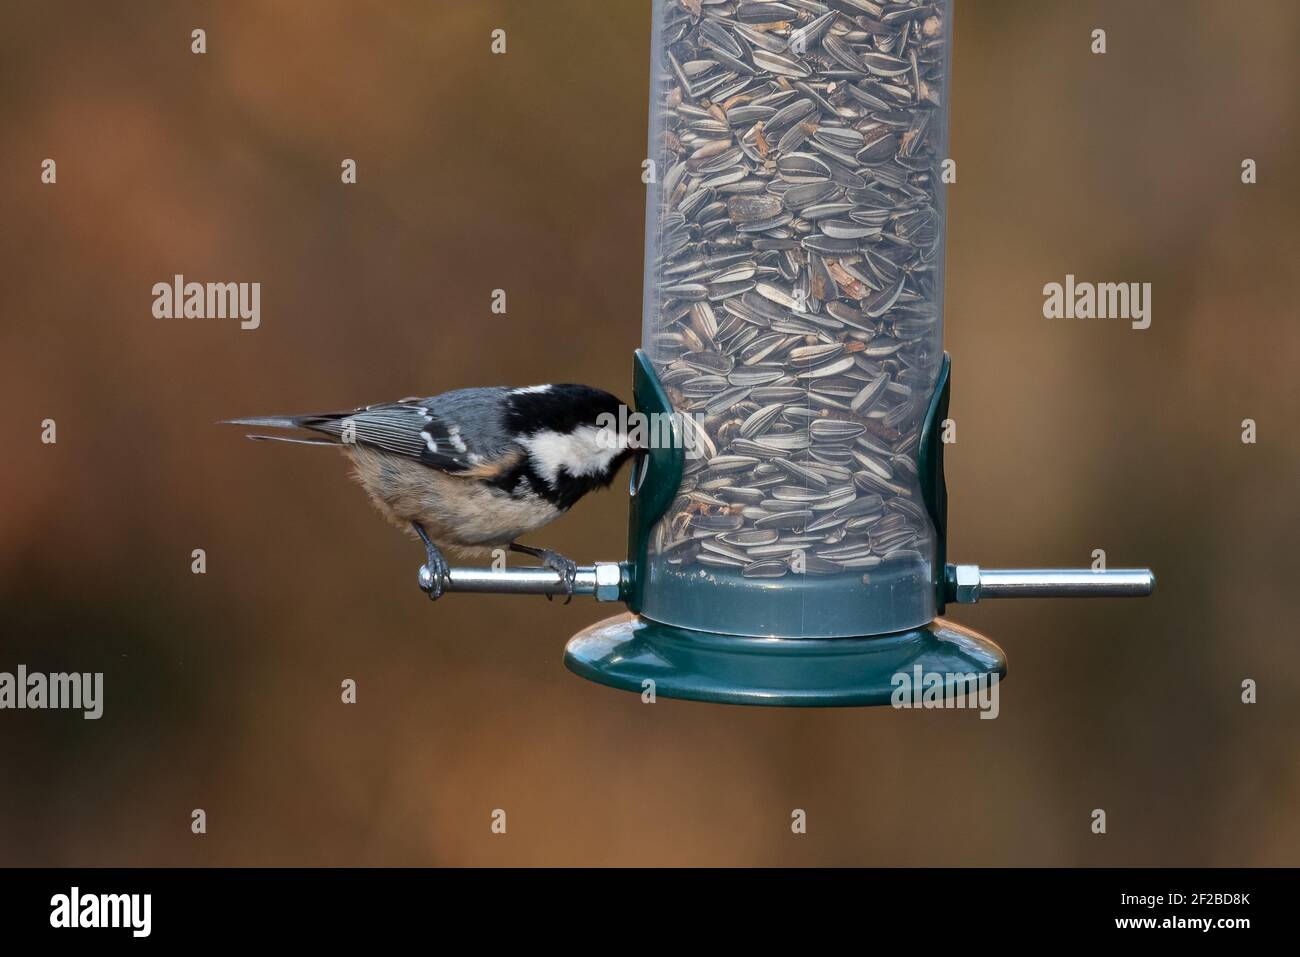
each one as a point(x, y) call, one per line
point(787, 542)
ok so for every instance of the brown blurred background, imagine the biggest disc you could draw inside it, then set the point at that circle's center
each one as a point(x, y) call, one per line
point(522, 172)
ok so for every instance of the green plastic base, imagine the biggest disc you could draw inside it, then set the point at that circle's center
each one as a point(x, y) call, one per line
point(626, 650)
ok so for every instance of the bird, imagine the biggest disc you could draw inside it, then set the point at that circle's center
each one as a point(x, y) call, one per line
point(474, 469)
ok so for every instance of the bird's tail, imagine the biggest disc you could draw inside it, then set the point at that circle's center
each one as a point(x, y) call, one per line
point(280, 422)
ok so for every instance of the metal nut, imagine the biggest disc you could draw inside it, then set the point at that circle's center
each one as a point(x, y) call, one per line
point(968, 584)
point(609, 579)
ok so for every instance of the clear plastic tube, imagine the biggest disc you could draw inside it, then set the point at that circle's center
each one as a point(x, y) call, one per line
point(793, 308)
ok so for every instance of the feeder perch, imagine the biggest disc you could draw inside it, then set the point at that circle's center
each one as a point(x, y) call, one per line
point(787, 541)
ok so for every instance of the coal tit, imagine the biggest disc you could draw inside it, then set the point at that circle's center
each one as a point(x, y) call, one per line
point(475, 469)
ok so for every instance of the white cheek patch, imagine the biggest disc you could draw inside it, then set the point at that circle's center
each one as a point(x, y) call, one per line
point(584, 451)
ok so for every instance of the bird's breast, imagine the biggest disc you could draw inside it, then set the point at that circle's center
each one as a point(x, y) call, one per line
point(456, 510)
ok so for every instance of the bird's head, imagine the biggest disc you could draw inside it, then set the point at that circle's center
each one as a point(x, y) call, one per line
point(576, 436)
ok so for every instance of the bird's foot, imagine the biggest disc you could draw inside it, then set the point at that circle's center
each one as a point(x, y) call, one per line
point(432, 576)
point(435, 571)
point(567, 568)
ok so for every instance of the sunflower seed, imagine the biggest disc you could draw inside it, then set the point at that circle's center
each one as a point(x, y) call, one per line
point(882, 65)
point(781, 65)
point(835, 430)
point(797, 493)
point(745, 496)
point(760, 420)
point(726, 399)
point(832, 368)
point(806, 356)
point(767, 568)
point(717, 547)
point(750, 537)
point(863, 401)
point(841, 229)
point(754, 375)
point(878, 150)
point(721, 561)
point(791, 519)
point(732, 463)
point(801, 473)
point(825, 523)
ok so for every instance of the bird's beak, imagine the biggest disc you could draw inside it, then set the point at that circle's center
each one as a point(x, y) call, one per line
point(640, 466)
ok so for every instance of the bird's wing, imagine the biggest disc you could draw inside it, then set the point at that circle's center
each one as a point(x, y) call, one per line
point(454, 432)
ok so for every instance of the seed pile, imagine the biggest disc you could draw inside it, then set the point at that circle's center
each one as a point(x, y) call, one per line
point(797, 277)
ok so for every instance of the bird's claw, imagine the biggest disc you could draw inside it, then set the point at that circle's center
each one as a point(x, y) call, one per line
point(567, 569)
point(432, 576)
point(435, 570)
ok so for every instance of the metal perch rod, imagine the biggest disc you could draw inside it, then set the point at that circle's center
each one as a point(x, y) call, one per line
point(975, 584)
point(604, 581)
point(601, 580)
